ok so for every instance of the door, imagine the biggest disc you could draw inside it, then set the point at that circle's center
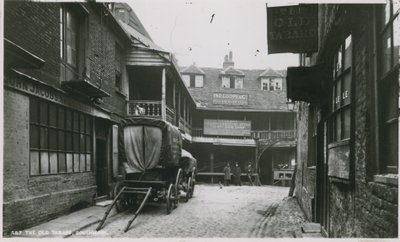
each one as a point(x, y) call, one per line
point(101, 171)
point(322, 191)
point(102, 156)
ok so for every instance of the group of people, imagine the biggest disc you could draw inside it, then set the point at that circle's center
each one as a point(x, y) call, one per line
point(236, 172)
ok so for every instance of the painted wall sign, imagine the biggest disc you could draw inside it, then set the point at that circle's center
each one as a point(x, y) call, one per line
point(292, 29)
point(339, 162)
point(38, 89)
point(230, 99)
point(227, 127)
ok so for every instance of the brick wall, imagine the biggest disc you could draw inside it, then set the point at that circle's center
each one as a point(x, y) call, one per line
point(30, 200)
point(362, 208)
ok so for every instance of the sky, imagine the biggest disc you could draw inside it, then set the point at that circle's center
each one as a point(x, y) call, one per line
point(204, 31)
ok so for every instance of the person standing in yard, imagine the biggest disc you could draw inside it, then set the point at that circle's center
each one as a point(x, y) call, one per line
point(227, 176)
point(236, 173)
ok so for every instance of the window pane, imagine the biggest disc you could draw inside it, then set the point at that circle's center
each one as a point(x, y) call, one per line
point(82, 143)
point(69, 141)
point(346, 123)
point(53, 115)
point(34, 137)
point(386, 51)
point(69, 162)
point(88, 162)
point(396, 40)
point(347, 52)
point(337, 94)
point(225, 82)
point(346, 89)
point(68, 119)
point(34, 163)
point(76, 142)
point(53, 139)
point(239, 83)
point(76, 162)
point(44, 163)
point(338, 127)
point(390, 148)
point(339, 61)
point(88, 125)
point(61, 140)
point(199, 81)
point(88, 144)
point(61, 163)
point(76, 122)
point(186, 80)
point(43, 113)
point(82, 123)
point(82, 166)
point(53, 163)
point(33, 111)
point(61, 123)
point(44, 138)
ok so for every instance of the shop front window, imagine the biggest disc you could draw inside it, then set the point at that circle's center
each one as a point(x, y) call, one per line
point(60, 139)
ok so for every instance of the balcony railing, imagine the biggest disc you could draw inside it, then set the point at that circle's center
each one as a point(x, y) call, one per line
point(171, 115)
point(260, 134)
point(183, 125)
point(144, 108)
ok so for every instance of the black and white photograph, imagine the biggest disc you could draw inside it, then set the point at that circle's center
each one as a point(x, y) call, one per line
point(198, 119)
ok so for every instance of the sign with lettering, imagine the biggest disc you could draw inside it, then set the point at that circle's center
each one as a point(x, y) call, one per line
point(227, 127)
point(29, 86)
point(230, 99)
point(339, 162)
point(292, 29)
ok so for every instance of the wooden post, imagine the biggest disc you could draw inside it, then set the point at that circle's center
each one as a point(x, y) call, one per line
point(212, 165)
point(163, 95)
point(174, 102)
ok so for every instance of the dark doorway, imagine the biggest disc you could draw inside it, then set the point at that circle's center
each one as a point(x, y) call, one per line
point(101, 171)
point(102, 151)
point(322, 191)
point(266, 169)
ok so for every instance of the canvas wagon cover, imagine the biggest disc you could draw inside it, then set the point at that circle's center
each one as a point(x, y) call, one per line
point(145, 143)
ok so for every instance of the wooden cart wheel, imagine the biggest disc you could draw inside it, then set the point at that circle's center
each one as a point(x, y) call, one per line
point(193, 182)
point(169, 198)
point(123, 202)
point(178, 182)
point(188, 189)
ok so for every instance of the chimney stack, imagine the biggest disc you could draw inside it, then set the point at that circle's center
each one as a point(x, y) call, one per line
point(228, 61)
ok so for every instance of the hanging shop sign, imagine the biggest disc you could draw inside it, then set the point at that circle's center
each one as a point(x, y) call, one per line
point(339, 162)
point(230, 99)
point(227, 127)
point(292, 29)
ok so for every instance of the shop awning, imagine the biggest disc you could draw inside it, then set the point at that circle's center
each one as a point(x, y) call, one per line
point(86, 87)
point(309, 84)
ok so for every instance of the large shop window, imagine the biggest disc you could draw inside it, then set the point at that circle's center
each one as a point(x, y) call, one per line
point(341, 96)
point(60, 139)
point(388, 85)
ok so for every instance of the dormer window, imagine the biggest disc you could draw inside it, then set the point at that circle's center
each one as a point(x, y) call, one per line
point(232, 82)
point(192, 80)
point(271, 84)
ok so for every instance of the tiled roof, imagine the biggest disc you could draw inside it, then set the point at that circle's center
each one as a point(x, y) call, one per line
point(270, 72)
point(232, 71)
point(140, 37)
point(258, 100)
point(193, 69)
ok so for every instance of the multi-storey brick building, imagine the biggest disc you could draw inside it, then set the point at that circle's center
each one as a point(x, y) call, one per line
point(71, 70)
point(241, 116)
point(348, 135)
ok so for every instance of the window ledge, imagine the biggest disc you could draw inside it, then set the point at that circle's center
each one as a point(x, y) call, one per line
point(391, 179)
point(312, 167)
point(120, 93)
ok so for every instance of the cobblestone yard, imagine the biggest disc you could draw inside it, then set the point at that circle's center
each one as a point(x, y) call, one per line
point(230, 212)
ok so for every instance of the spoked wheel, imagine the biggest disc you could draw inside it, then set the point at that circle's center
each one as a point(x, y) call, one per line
point(169, 198)
point(123, 202)
point(188, 189)
point(192, 183)
point(178, 182)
